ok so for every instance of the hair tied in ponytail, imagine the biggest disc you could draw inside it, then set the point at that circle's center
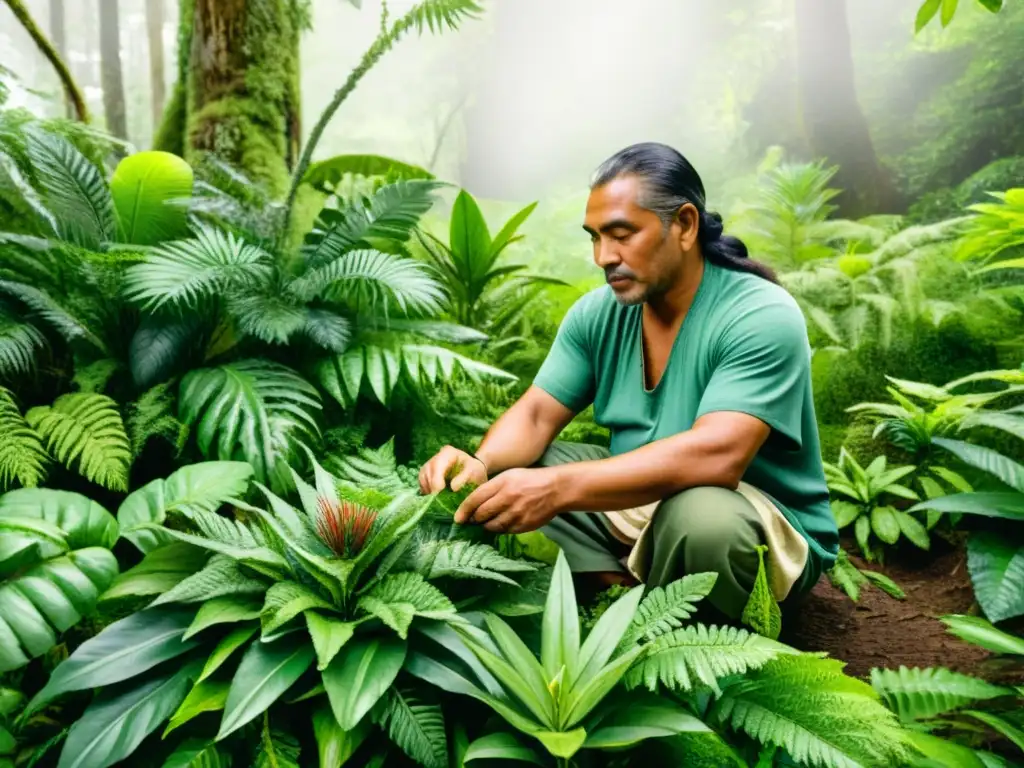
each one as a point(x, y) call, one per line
point(712, 226)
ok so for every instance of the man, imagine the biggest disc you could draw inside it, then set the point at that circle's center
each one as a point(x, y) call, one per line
point(699, 365)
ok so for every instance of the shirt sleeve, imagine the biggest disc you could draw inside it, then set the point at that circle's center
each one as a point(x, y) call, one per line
point(763, 370)
point(567, 373)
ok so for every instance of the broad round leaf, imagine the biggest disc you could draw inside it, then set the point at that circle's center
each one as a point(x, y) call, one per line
point(142, 186)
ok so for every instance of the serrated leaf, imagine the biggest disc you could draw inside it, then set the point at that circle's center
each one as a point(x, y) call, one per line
point(918, 694)
point(762, 612)
point(286, 600)
point(416, 726)
point(222, 576)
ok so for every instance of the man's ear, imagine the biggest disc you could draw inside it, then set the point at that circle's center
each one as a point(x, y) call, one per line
point(688, 218)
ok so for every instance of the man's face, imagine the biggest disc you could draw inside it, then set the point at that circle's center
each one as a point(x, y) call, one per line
point(641, 258)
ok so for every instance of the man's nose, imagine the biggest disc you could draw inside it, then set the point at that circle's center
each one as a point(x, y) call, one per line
point(606, 255)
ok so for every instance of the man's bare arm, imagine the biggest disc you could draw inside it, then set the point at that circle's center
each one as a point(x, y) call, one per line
point(716, 451)
point(522, 434)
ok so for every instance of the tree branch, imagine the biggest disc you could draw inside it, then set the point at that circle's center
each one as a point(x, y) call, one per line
point(74, 94)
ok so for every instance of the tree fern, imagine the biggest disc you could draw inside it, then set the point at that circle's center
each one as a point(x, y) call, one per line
point(19, 342)
point(252, 410)
point(664, 609)
point(917, 694)
point(74, 188)
point(184, 272)
point(417, 727)
point(698, 654)
point(820, 716)
point(85, 431)
point(22, 457)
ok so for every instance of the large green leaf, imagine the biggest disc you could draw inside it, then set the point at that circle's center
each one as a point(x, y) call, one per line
point(159, 571)
point(277, 749)
point(204, 486)
point(197, 753)
point(50, 598)
point(334, 744)
point(143, 186)
point(987, 460)
point(85, 431)
point(996, 565)
point(205, 696)
point(1007, 504)
point(160, 345)
point(560, 639)
point(267, 670)
point(361, 674)
point(327, 173)
point(117, 720)
point(502, 746)
point(979, 631)
point(469, 239)
point(123, 650)
point(606, 635)
point(230, 609)
point(252, 410)
point(623, 723)
point(329, 636)
point(227, 646)
point(84, 522)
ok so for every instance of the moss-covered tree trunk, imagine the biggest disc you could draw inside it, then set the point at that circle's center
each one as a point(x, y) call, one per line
point(833, 120)
point(241, 100)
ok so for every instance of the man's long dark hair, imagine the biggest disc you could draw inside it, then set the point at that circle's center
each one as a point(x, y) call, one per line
point(669, 182)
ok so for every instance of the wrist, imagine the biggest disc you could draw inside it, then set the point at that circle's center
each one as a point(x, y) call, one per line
point(567, 481)
point(482, 462)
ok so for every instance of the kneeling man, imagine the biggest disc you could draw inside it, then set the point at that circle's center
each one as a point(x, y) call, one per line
point(698, 363)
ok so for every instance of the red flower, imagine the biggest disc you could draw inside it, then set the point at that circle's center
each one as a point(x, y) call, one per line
point(344, 526)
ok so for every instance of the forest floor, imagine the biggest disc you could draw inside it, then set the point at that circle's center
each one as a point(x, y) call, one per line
point(881, 631)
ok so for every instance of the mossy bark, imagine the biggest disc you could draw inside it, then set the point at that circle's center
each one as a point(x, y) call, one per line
point(241, 100)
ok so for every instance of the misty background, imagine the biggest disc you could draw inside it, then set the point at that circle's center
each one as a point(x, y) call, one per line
point(523, 103)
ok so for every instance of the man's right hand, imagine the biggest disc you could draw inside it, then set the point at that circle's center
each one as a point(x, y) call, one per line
point(434, 473)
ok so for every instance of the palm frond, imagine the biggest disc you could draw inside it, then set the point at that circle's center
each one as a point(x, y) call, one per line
point(917, 694)
point(369, 279)
point(52, 313)
point(252, 410)
point(820, 716)
point(269, 317)
point(74, 189)
point(86, 430)
point(438, 14)
point(183, 272)
point(23, 459)
point(17, 190)
point(327, 329)
point(19, 342)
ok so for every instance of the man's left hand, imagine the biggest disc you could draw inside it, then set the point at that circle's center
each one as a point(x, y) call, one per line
point(516, 501)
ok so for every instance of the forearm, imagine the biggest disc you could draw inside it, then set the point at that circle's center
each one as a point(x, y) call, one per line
point(517, 439)
point(652, 472)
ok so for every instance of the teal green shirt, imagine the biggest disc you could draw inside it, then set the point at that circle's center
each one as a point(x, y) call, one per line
point(742, 347)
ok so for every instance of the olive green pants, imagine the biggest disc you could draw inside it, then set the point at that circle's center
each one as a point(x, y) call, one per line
point(699, 530)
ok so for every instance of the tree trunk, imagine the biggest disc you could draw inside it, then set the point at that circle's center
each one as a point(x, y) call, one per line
point(243, 92)
point(110, 68)
point(833, 121)
point(46, 48)
point(155, 34)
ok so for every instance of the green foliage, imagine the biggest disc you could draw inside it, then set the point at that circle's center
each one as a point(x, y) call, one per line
point(142, 188)
point(23, 459)
point(326, 175)
point(849, 578)
point(995, 231)
point(55, 561)
point(762, 612)
point(916, 694)
point(931, 8)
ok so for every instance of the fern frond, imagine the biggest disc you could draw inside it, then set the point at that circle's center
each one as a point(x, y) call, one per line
point(86, 430)
point(821, 717)
point(412, 590)
point(416, 726)
point(664, 609)
point(183, 272)
point(466, 560)
point(152, 415)
point(22, 457)
point(917, 694)
point(255, 410)
point(328, 329)
point(95, 376)
point(19, 342)
point(74, 189)
point(438, 14)
point(370, 280)
point(16, 189)
point(698, 654)
point(374, 468)
point(269, 317)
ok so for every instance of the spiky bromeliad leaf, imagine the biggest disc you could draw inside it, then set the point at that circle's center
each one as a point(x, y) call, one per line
point(19, 342)
point(664, 609)
point(74, 190)
point(820, 716)
point(55, 561)
point(252, 410)
point(996, 565)
point(416, 726)
point(86, 430)
point(371, 281)
point(699, 655)
point(421, 366)
point(23, 459)
point(918, 694)
point(183, 272)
